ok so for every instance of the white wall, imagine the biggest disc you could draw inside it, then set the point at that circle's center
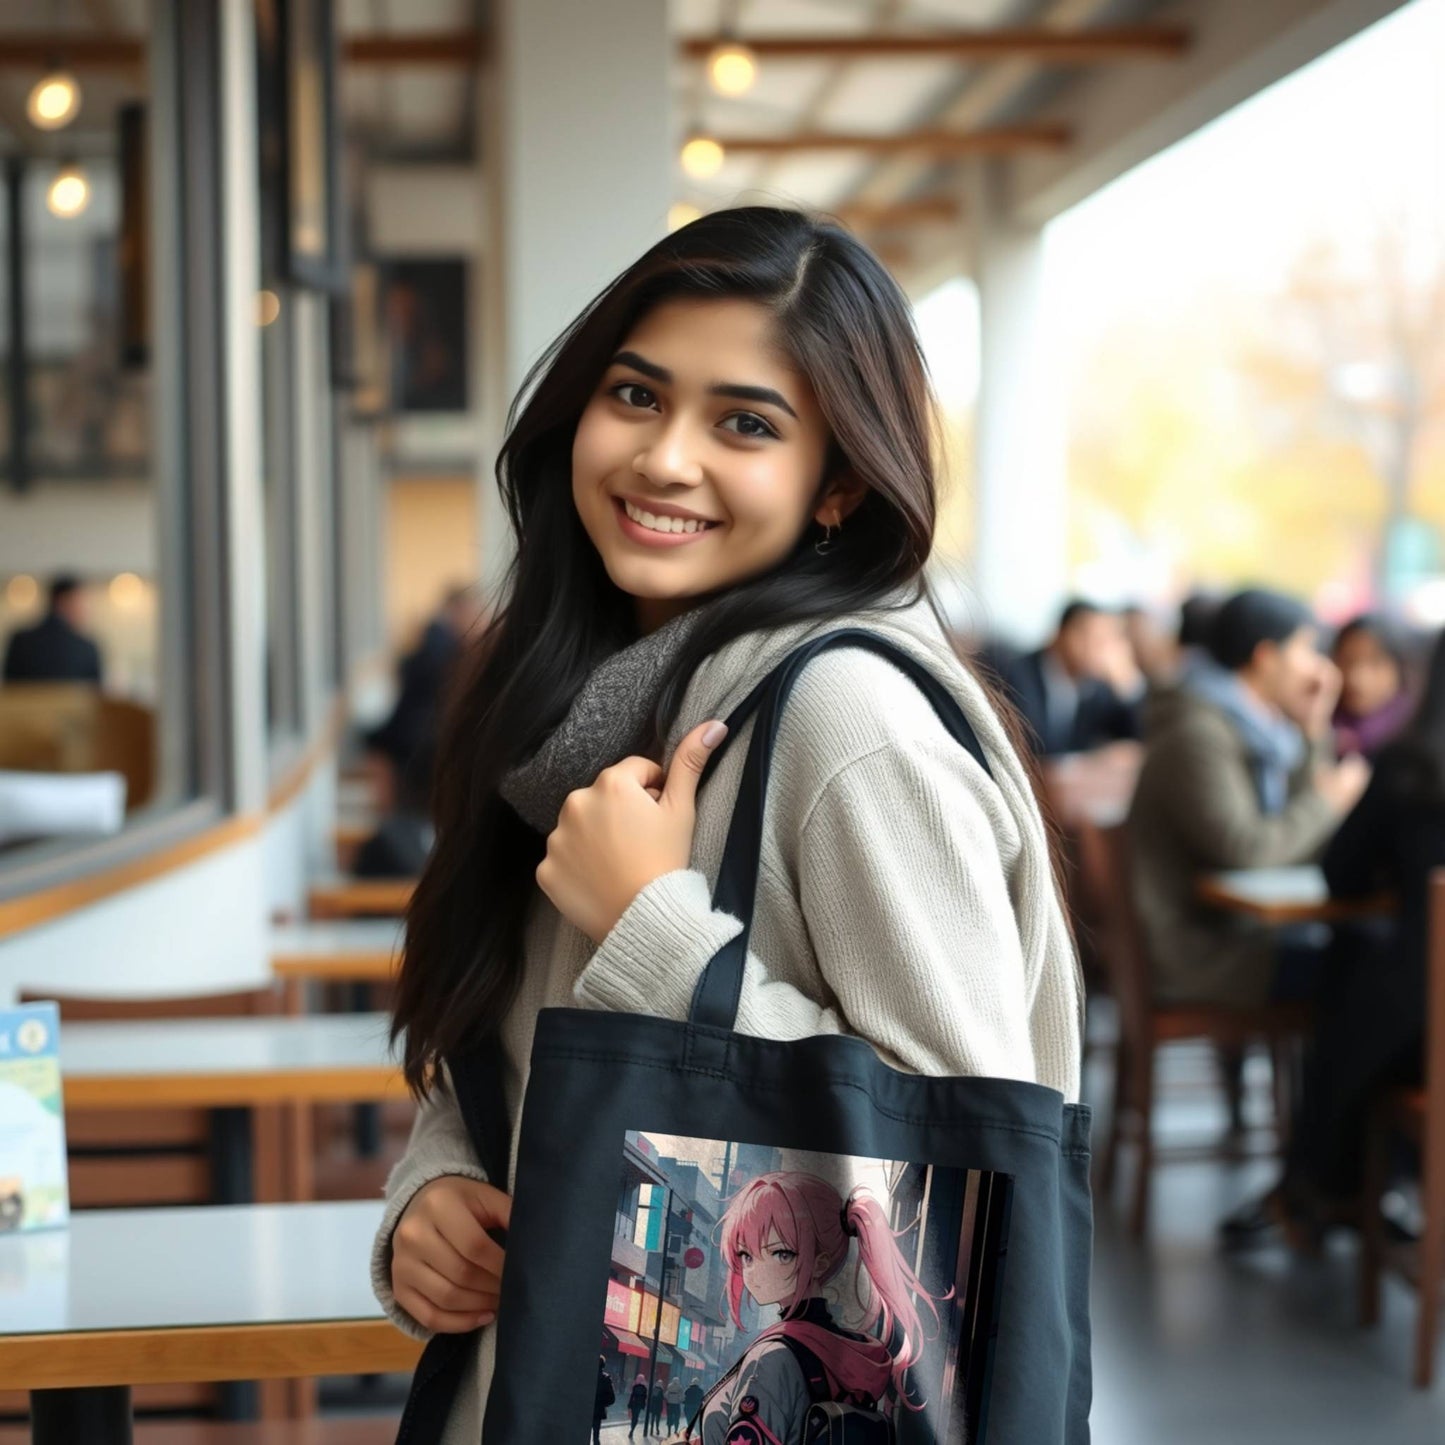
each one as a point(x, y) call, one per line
point(94, 528)
point(198, 930)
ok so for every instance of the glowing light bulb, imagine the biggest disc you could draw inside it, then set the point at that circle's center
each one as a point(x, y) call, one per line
point(268, 307)
point(732, 69)
point(69, 193)
point(702, 157)
point(22, 593)
point(54, 101)
point(126, 590)
point(682, 214)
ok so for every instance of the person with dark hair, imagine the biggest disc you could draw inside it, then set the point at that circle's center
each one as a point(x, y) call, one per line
point(56, 649)
point(604, 1399)
point(424, 673)
point(1154, 650)
point(1081, 690)
point(1197, 614)
point(728, 453)
point(1236, 775)
point(403, 839)
point(1375, 702)
point(1370, 1006)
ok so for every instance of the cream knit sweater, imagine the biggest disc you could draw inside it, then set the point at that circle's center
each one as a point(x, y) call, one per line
point(903, 897)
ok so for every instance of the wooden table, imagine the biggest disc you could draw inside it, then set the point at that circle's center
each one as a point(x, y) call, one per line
point(1280, 896)
point(359, 897)
point(142, 1296)
point(231, 1066)
point(366, 950)
point(1095, 787)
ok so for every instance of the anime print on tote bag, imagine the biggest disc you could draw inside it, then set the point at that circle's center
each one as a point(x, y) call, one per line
point(783, 1243)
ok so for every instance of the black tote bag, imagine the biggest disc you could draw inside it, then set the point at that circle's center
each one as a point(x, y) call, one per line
point(694, 1203)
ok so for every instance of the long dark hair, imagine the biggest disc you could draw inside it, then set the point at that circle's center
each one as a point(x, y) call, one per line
point(1418, 755)
point(848, 328)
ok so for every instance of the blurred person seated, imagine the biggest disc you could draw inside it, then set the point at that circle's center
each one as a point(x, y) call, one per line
point(402, 841)
point(1080, 691)
point(1375, 698)
point(423, 676)
point(1370, 1009)
point(56, 649)
point(1155, 650)
point(1238, 773)
point(1197, 614)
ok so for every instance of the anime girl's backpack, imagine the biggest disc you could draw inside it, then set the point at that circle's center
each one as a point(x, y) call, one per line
point(836, 1422)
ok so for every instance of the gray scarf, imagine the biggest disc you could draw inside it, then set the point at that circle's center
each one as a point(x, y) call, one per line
point(607, 721)
point(1274, 745)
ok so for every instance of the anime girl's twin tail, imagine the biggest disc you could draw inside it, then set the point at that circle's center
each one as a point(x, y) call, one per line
point(890, 1311)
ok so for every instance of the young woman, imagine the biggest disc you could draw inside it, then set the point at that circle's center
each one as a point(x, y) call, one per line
point(785, 1237)
point(1375, 701)
point(636, 1404)
point(729, 451)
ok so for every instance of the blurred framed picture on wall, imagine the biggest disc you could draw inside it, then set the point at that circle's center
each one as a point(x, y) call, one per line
point(133, 252)
point(302, 234)
point(425, 318)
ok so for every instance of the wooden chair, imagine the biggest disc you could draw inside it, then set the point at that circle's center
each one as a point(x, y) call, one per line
point(1418, 1114)
point(68, 727)
point(1146, 1025)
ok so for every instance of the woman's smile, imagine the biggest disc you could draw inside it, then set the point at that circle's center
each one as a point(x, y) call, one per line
point(656, 529)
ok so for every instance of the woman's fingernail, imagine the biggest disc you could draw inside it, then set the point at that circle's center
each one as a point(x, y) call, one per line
point(715, 733)
point(486, 1318)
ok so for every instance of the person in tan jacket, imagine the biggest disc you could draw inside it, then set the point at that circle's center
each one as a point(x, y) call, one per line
point(1236, 775)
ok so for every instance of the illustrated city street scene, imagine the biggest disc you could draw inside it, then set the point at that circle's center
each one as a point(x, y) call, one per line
point(762, 1294)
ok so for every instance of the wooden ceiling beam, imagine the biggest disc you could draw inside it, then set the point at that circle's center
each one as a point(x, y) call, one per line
point(900, 213)
point(74, 52)
point(1096, 46)
point(462, 47)
point(89, 52)
point(1000, 141)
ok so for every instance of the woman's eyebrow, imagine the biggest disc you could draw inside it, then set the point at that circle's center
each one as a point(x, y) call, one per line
point(736, 390)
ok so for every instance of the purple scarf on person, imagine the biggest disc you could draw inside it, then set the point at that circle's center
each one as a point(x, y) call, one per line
point(1367, 735)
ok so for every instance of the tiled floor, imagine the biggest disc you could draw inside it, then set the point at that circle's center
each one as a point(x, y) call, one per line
point(1192, 1347)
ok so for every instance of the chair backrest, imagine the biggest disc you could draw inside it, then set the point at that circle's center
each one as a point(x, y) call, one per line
point(1435, 1037)
point(48, 727)
point(1106, 871)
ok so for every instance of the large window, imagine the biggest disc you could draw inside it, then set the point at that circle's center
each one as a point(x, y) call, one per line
point(111, 573)
point(1253, 326)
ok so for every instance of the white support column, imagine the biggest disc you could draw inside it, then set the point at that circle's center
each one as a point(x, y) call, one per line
point(578, 154)
point(244, 506)
point(1020, 479)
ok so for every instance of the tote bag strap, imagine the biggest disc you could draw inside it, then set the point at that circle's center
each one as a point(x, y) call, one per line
point(715, 1000)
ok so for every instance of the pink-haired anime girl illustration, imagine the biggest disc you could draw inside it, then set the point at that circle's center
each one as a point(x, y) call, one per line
point(784, 1237)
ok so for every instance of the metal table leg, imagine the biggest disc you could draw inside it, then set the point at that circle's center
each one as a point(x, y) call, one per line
point(97, 1414)
point(366, 1118)
point(232, 1184)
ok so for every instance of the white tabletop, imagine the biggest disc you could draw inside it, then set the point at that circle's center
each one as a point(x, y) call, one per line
point(129, 1269)
point(224, 1046)
point(1302, 887)
point(324, 938)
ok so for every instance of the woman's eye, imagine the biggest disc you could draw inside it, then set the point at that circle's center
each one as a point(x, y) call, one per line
point(630, 393)
point(750, 425)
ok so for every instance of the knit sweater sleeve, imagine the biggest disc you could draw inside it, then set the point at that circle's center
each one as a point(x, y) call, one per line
point(904, 895)
point(439, 1145)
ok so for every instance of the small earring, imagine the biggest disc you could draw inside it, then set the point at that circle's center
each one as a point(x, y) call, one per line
point(826, 545)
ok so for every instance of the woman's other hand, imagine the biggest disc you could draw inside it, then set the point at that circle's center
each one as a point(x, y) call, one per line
point(446, 1270)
